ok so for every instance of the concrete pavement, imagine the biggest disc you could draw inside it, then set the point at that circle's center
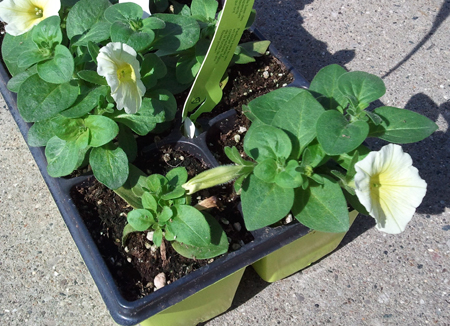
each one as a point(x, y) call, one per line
point(372, 279)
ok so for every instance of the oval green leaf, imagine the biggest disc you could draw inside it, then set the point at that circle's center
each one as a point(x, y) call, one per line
point(140, 219)
point(59, 69)
point(322, 207)
point(110, 166)
point(102, 130)
point(39, 100)
point(402, 126)
point(337, 136)
point(264, 203)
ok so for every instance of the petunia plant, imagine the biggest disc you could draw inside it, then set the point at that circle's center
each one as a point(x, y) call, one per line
point(308, 156)
point(92, 76)
point(163, 208)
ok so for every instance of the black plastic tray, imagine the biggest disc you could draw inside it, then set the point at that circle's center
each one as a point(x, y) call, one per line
point(124, 312)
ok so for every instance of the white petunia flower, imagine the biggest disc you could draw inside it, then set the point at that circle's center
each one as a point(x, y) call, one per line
point(389, 187)
point(21, 15)
point(145, 5)
point(118, 64)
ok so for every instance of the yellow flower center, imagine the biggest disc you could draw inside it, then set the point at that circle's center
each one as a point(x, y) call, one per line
point(125, 73)
point(375, 181)
point(38, 12)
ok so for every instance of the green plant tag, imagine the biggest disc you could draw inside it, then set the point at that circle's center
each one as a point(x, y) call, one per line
point(206, 92)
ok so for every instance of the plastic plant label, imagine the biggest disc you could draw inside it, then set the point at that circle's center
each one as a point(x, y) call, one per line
point(206, 93)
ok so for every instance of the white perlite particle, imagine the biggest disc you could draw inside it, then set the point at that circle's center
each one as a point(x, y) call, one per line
point(159, 281)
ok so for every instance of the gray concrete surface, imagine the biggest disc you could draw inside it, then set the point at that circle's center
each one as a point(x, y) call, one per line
point(373, 279)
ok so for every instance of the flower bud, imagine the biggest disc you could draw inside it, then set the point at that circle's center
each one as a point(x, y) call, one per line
point(214, 177)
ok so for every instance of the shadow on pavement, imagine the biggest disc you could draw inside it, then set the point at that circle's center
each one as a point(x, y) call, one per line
point(310, 54)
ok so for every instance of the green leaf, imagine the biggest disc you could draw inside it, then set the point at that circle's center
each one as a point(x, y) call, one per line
point(157, 237)
point(32, 56)
point(122, 32)
point(15, 82)
point(314, 155)
point(62, 157)
point(191, 227)
point(145, 120)
point(187, 67)
point(102, 130)
point(13, 47)
point(233, 154)
point(217, 246)
point(83, 15)
point(66, 128)
point(292, 109)
point(152, 69)
point(92, 76)
point(85, 103)
point(248, 51)
point(163, 99)
point(177, 177)
point(165, 215)
point(338, 136)
point(39, 100)
point(123, 12)
point(204, 10)
point(140, 219)
point(267, 142)
point(176, 193)
point(133, 188)
point(290, 177)
point(59, 69)
point(325, 87)
point(361, 88)
point(40, 133)
point(110, 166)
point(47, 32)
point(99, 32)
point(354, 203)
point(126, 232)
point(156, 183)
point(93, 50)
point(180, 33)
point(264, 203)
point(345, 159)
point(266, 170)
point(402, 126)
point(127, 142)
point(322, 207)
point(152, 23)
